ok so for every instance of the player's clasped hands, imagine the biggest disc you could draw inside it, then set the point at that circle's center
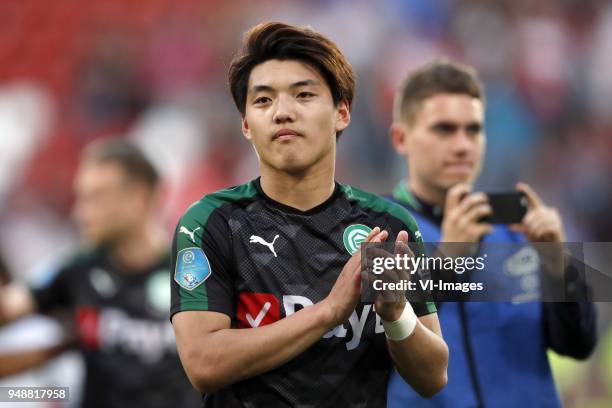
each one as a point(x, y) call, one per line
point(391, 298)
point(346, 292)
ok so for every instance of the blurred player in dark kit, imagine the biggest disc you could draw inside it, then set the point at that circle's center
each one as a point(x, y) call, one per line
point(17, 362)
point(117, 288)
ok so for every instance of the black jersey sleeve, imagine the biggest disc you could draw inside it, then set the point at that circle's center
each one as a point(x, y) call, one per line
point(55, 294)
point(201, 261)
point(570, 327)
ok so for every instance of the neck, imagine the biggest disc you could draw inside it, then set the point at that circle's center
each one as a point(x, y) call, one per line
point(430, 195)
point(140, 248)
point(301, 190)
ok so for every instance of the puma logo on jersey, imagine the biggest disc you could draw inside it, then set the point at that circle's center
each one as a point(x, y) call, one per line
point(260, 240)
point(190, 233)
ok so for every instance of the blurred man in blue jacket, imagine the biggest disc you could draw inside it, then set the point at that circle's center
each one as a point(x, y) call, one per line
point(497, 349)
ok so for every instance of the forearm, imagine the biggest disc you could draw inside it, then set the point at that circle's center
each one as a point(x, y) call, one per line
point(421, 359)
point(229, 355)
point(19, 362)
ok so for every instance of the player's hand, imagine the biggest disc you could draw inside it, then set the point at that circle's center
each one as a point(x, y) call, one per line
point(346, 292)
point(462, 211)
point(390, 305)
point(15, 302)
point(3, 313)
point(541, 223)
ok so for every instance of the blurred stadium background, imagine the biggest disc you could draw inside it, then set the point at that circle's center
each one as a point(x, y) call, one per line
point(155, 71)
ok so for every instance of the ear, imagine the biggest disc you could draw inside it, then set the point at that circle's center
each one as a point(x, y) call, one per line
point(399, 136)
point(343, 116)
point(245, 128)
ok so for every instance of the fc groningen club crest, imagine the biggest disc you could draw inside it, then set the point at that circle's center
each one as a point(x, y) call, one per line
point(354, 235)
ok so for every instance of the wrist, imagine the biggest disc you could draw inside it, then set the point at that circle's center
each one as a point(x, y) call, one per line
point(326, 315)
point(403, 327)
point(390, 312)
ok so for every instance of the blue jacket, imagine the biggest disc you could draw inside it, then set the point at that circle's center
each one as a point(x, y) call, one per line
point(497, 349)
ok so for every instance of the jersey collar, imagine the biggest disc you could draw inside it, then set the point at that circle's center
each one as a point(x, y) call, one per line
point(405, 197)
point(288, 209)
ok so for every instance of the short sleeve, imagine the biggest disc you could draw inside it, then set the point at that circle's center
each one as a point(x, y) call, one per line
point(201, 261)
point(53, 295)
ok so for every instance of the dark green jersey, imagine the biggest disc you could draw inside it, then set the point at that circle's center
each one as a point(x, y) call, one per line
point(239, 252)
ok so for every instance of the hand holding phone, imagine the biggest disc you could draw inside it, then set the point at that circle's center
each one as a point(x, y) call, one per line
point(507, 207)
point(462, 212)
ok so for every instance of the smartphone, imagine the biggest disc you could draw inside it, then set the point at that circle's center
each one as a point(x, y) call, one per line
point(508, 207)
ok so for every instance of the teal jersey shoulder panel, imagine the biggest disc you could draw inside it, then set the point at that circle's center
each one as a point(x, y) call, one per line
point(376, 203)
point(190, 231)
point(198, 213)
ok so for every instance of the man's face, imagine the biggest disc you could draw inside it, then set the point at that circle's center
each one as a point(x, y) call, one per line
point(290, 116)
point(107, 204)
point(445, 142)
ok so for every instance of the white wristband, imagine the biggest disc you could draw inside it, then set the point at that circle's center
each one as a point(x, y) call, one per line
point(402, 327)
